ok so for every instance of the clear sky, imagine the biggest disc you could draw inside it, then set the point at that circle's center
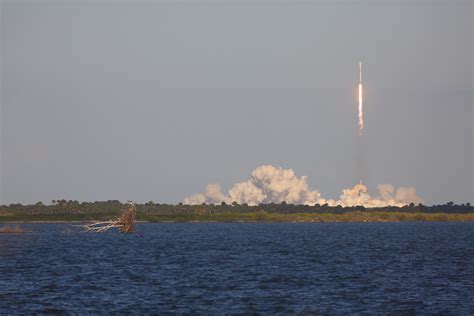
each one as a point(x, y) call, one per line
point(153, 100)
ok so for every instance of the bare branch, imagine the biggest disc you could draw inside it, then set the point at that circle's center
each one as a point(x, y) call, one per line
point(125, 222)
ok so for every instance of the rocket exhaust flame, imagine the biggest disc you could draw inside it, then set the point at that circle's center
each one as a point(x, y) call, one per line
point(360, 123)
point(361, 111)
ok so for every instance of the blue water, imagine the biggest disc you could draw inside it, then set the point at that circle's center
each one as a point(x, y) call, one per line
point(310, 268)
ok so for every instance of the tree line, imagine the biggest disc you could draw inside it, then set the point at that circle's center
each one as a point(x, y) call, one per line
point(71, 207)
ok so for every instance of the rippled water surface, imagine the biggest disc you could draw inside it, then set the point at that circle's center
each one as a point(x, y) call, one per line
point(333, 268)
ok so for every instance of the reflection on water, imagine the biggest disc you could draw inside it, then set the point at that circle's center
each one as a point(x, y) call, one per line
point(249, 268)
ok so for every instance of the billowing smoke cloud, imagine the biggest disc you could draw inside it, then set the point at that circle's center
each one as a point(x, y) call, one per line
point(272, 184)
point(213, 195)
point(359, 195)
point(267, 184)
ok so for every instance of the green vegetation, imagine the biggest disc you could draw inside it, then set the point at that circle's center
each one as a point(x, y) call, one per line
point(357, 216)
point(63, 210)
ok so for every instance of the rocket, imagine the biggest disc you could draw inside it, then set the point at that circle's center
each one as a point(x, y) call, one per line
point(360, 115)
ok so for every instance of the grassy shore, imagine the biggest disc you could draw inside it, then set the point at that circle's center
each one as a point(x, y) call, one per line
point(12, 230)
point(356, 216)
point(315, 217)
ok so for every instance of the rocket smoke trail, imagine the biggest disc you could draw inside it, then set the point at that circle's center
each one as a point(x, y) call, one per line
point(360, 160)
point(361, 110)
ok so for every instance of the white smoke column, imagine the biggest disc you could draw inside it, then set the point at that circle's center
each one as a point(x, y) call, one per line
point(269, 184)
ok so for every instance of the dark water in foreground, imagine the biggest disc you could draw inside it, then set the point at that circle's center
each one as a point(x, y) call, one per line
point(332, 268)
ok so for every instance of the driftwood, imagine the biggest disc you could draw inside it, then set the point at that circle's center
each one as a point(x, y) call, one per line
point(125, 222)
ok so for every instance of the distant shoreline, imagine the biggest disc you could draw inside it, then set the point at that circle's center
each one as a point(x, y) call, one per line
point(253, 217)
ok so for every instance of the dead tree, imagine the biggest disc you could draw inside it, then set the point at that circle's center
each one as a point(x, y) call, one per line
point(125, 222)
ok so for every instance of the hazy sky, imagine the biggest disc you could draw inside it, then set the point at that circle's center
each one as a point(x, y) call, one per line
point(154, 100)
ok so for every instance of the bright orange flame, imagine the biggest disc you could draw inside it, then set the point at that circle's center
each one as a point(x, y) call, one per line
point(361, 113)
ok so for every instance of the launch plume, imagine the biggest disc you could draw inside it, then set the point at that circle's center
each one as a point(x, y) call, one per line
point(360, 123)
point(269, 184)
